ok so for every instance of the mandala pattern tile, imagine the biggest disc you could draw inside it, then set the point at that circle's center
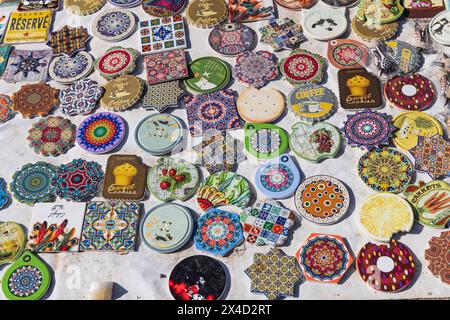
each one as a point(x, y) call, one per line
point(312, 102)
point(248, 11)
point(27, 65)
point(256, 69)
point(303, 67)
point(265, 140)
point(347, 54)
point(432, 155)
point(164, 95)
point(12, 243)
point(114, 25)
point(66, 70)
point(80, 98)
point(324, 23)
point(282, 34)
point(83, 7)
point(122, 93)
point(166, 66)
point(230, 39)
point(206, 13)
point(163, 9)
point(36, 5)
point(274, 274)
point(162, 34)
point(437, 256)
point(6, 113)
point(116, 61)
point(69, 40)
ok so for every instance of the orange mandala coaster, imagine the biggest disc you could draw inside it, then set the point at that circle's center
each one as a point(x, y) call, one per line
point(35, 100)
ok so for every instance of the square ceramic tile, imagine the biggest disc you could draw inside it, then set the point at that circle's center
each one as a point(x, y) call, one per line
point(166, 66)
point(27, 65)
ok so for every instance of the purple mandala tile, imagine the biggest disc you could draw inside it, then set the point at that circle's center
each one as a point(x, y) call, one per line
point(256, 69)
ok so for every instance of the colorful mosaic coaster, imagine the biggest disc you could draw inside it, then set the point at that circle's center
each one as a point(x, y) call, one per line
point(206, 13)
point(274, 274)
point(116, 61)
point(4, 197)
point(347, 54)
point(282, 34)
point(66, 70)
point(247, 11)
point(324, 258)
point(77, 180)
point(432, 155)
point(110, 226)
point(303, 67)
point(80, 97)
point(36, 5)
point(27, 65)
point(32, 183)
point(163, 9)
point(114, 25)
point(312, 102)
point(5, 51)
point(324, 23)
point(12, 242)
point(231, 39)
point(166, 66)
point(265, 140)
point(122, 93)
point(52, 136)
point(28, 27)
point(35, 100)
point(164, 95)
point(101, 132)
point(256, 69)
point(6, 113)
point(69, 40)
point(437, 256)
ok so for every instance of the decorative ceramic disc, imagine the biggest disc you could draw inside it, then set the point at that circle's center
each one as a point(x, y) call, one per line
point(68, 40)
point(125, 3)
point(340, 3)
point(324, 258)
point(255, 69)
point(83, 7)
point(116, 61)
point(164, 95)
point(324, 23)
point(386, 267)
point(379, 13)
point(230, 39)
point(347, 54)
point(163, 9)
point(218, 232)
point(27, 5)
point(32, 183)
point(260, 105)
point(295, 4)
point(439, 29)
point(122, 93)
point(385, 170)
point(432, 155)
point(206, 13)
point(77, 180)
point(265, 140)
point(6, 113)
point(369, 31)
point(408, 57)
point(241, 11)
point(282, 34)
point(35, 100)
point(12, 242)
point(437, 256)
point(80, 98)
point(101, 132)
point(65, 69)
point(52, 136)
point(209, 74)
point(322, 199)
point(312, 102)
point(303, 67)
point(114, 25)
point(4, 196)
point(223, 189)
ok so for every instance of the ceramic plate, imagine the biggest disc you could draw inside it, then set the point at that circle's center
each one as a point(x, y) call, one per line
point(65, 69)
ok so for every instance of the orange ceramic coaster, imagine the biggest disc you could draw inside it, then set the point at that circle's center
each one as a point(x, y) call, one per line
point(347, 54)
point(437, 256)
point(35, 100)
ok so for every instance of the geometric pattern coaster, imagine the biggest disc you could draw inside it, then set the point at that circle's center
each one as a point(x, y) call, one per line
point(80, 97)
point(166, 66)
point(432, 156)
point(438, 258)
point(27, 65)
point(68, 40)
point(282, 34)
point(35, 100)
point(161, 96)
point(116, 61)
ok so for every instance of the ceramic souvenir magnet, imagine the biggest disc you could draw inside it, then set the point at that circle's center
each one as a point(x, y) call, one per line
point(324, 23)
point(384, 214)
point(52, 136)
point(173, 179)
point(369, 31)
point(439, 28)
point(282, 34)
point(101, 132)
point(347, 54)
point(125, 4)
point(163, 9)
point(432, 155)
point(223, 189)
point(324, 258)
point(340, 3)
point(432, 203)
point(5, 50)
point(114, 25)
point(116, 61)
point(255, 69)
point(265, 140)
point(437, 256)
point(27, 65)
point(248, 11)
point(83, 7)
point(198, 278)
point(359, 89)
point(4, 196)
point(160, 134)
point(26, 279)
point(260, 106)
point(295, 4)
point(423, 9)
point(122, 93)
point(164, 95)
point(409, 58)
point(32, 183)
point(231, 39)
point(208, 74)
point(80, 98)
point(166, 66)
point(6, 113)
point(218, 232)
point(387, 267)
point(379, 12)
point(385, 170)
point(303, 67)
point(274, 274)
point(36, 5)
point(212, 112)
point(12, 242)
point(35, 100)
point(315, 141)
point(312, 102)
point(206, 13)
point(167, 228)
point(3, 25)
point(77, 180)
point(162, 34)
point(69, 40)
point(278, 178)
point(28, 27)
point(110, 226)
point(322, 199)
point(368, 129)
point(66, 70)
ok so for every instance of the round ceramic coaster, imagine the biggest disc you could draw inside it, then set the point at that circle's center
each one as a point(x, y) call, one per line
point(260, 106)
point(65, 69)
point(164, 95)
point(385, 170)
point(408, 57)
point(101, 132)
point(122, 93)
point(32, 183)
point(231, 39)
point(346, 53)
point(160, 134)
point(315, 142)
point(6, 113)
point(26, 279)
point(114, 25)
point(303, 67)
point(439, 29)
point(83, 7)
point(4, 196)
point(368, 129)
point(368, 31)
point(218, 232)
point(173, 179)
point(412, 125)
point(12, 242)
point(322, 199)
point(167, 227)
point(437, 256)
point(282, 34)
point(222, 189)
point(209, 74)
point(116, 61)
point(206, 13)
point(411, 92)
point(340, 3)
point(125, 3)
point(265, 140)
point(198, 278)
point(324, 258)
point(295, 4)
point(378, 12)
point(52, 136)
point(312, 102)
point(77, 180)
point(386, 267)
point(324, 23)
point(163, 9)
point(278, 178)
point(256, 69)
point(35, 100)
point(80, 97)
